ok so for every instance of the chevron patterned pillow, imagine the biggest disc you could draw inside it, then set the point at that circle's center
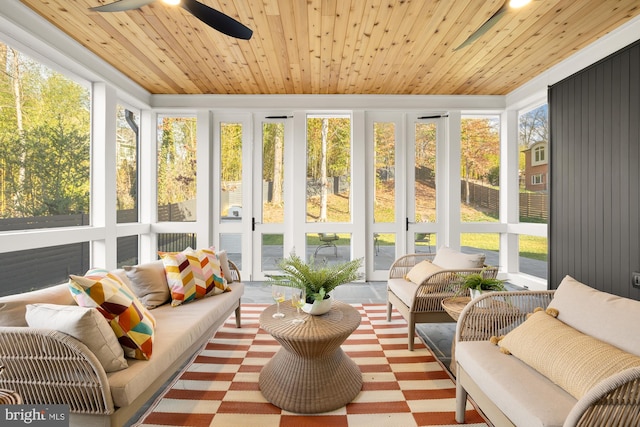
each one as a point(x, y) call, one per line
point(132, 323)
point(193, 274)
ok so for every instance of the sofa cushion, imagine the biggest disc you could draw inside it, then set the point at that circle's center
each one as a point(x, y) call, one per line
point(193, 274)
point(569, 358)
point(224, 264)
point(149, 282)
point(528, 398)
point(132, 323)
point(602, 315)
point(422, 270)
point(13, 307)
point(179, 329)
point(86, 325)
point(452, 259)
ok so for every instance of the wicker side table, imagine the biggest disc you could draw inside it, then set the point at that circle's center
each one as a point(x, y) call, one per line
point(311, 373)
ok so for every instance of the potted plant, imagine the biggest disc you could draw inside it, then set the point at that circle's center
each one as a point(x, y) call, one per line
point(477, 283)
point(316, 279)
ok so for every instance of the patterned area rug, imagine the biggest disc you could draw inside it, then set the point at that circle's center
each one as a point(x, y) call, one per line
point(219, 388)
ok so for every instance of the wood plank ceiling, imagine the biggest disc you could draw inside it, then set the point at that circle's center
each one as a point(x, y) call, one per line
point(338, 46)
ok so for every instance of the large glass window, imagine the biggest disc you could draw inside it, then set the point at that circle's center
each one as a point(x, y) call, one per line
point(533, 139)
point(533, 255)
point(328, 169)
point(384, 204)
point(176, 168)
point(480, 168)
point(533, 167)
point(45, 140)
point(425, 172)
point(127, 164)
point(273, 173)
point(486, 243)
point(231, 171)
point(44, 168)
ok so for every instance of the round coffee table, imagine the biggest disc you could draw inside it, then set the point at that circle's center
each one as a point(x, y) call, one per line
point(310, 373)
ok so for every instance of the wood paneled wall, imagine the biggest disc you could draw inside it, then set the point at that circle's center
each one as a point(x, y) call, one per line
point(594, 232)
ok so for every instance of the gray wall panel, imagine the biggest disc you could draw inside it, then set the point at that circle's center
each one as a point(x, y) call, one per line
point(594, 232)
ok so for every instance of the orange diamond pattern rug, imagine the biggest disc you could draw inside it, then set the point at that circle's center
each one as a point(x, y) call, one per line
point(219, 388)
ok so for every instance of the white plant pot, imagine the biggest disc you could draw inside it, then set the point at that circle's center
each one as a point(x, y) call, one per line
point(318, 307)
point(475, 293)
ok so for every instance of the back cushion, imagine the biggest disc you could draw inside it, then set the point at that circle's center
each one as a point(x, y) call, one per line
point(13, 307)
point(452, 259)
point(604, 316)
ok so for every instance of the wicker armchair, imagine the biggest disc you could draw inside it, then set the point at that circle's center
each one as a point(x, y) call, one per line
point(424, 306)
point(614, 401)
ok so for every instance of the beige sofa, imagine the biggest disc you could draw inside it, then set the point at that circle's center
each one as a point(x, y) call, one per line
point(579, 368)
point(46, 366)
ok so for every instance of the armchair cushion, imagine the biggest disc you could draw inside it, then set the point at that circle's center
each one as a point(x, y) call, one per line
point(451, 259)
point(422, 271)
point(602, 315)
point(403, 289)
point(574, 361)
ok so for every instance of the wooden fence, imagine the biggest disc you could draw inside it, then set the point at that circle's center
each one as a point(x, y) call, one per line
point(534, 207)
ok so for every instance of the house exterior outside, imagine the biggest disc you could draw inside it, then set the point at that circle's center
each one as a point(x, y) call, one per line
point(536, 171)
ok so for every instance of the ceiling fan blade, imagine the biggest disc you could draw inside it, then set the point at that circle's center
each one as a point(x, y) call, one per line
point(217, 20)
point(121, 5)
point(485, 27)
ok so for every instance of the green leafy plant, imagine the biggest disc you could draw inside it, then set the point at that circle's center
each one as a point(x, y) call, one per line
point(478, 282)
point(317, 279)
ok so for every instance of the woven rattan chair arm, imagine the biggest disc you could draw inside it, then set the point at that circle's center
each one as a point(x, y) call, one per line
point(613, 402)
point(405, 263)
point(235, 272)
point(497, 313)
point(45, 366)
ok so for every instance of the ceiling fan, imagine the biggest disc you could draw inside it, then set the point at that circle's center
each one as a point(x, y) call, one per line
point(508, 4)
point(213, 18)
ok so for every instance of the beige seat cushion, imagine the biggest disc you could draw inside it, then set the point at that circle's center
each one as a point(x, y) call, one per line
point(177, 330)
point(574, 361)
point(403, 289)
point(540, 403)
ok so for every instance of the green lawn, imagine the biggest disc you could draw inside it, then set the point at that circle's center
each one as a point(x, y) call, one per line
point(530, 246)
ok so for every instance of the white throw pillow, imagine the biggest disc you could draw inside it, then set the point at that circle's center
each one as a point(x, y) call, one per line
point(451, 259)
point(86, 325)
